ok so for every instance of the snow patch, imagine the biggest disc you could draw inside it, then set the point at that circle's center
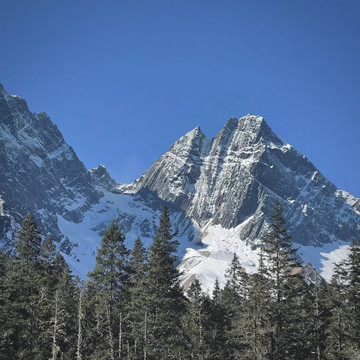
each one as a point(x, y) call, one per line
point(37, 160)
point(62, 152)
point(324, 258)
point(2, 202)
point(211, 261)
point(304, 209)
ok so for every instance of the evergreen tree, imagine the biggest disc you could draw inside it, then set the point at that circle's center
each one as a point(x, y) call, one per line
point(216, 324)
point(26, 298)
point(4, 321)
point(297, 340)
point(48, 255)
point(236, 278)
point(28, 246)
point(110, 273)
point(134, 307)
point(255, 318)
point(105, 294)
point(80, 325)
point(216, 294)
point(194, 321)
point(3, 263)
point(281, 263)
point(137, 262)
point(319, 317)
point(233, 299)
point(160, 302)
point(354, 294)
point(338, 341)
point(64, 308)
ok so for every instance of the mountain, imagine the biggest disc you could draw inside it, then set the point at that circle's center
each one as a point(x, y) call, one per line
point(220, 192)
point(39, 171)
point(239, 174)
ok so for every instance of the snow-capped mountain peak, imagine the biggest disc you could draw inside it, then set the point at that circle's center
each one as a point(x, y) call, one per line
point(220, 191)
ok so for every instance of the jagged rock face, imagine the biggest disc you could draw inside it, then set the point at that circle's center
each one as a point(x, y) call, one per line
point(220, 193)
point(102, 178)
point(240, 173)
point(39, 171)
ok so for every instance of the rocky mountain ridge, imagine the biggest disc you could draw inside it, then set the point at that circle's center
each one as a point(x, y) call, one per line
point(240, 173)
point(220, 193)
point(39, 171)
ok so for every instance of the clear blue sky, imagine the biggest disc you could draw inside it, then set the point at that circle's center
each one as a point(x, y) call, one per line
point(124, 79)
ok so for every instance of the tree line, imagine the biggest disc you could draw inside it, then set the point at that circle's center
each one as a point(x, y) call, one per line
point(132, 305)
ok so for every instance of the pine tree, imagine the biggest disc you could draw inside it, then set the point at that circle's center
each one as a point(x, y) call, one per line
point(255, 318)
point(28, 246)
point(160, 302)
point(194, 321)
point(105, 294)
point(137, 262)
point(216, 293)
point(354, 294)
point(297, 334)
point(64, 308)
point(236, 278)
point(48, 254)
point(216, 324)
point(26, 297)
point(134, 307)
point(80, 325)
point(4, 321)
point(338, 341)
point(281, 262)
point(319, 315)
point(233, 299)
point(110, 273)
point(3, 263)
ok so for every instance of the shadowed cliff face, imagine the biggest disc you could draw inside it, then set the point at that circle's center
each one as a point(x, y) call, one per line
point(39, 171)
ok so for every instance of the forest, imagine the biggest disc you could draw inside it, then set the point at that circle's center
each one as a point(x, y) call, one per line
point(133, 307)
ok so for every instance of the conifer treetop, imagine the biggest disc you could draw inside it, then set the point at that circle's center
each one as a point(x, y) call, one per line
point(28, 246)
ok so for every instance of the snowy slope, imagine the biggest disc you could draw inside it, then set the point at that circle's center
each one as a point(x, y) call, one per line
point(133, 216)
point(207, 258)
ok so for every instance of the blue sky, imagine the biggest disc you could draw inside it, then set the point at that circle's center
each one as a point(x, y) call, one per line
point(124, 79)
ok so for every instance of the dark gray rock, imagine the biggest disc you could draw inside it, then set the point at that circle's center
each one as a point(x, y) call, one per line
point(39, 171)
point(103, 179)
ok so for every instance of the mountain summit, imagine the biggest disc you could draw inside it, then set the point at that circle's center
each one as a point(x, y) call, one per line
point(39, 171)
point(220, 192)
point(238, 175)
